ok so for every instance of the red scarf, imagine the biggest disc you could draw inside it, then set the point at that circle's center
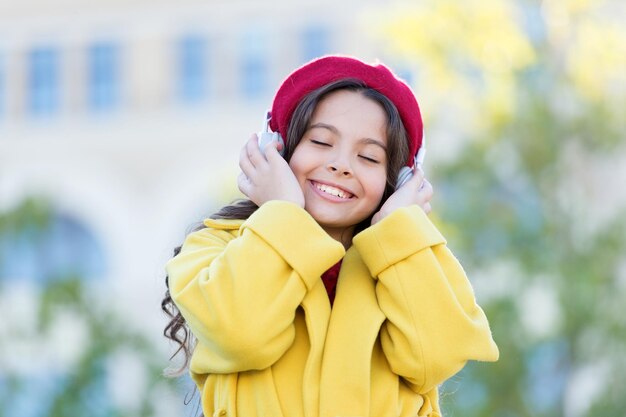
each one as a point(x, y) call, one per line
point(330, 280)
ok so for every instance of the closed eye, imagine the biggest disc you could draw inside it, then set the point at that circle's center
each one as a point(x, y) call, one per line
point(367, 158)
point(317, 142)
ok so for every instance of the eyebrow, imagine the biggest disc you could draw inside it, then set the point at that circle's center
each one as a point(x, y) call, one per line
point(333, 129)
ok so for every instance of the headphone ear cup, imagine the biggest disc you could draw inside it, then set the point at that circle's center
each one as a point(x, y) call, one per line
point(405, 174)
point(279, 138)
point(265, 138)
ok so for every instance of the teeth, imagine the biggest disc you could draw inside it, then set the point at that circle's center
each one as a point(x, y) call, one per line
point(332, 190)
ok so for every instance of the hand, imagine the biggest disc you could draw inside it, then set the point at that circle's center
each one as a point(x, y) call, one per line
point(267, 176)
point(417, 190)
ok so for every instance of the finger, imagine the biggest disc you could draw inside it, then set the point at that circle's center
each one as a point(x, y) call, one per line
point(418, 176)
point(426, 190)
point(244, 184)
point(246, 147)
point(254, 153)
point(245, 164)
point(271, 152)
point(427, 208)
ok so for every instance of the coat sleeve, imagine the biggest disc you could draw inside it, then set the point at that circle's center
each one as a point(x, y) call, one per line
point(434, 325)
point(239, 295)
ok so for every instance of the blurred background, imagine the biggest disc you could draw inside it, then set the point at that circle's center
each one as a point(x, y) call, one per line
point(120, 127)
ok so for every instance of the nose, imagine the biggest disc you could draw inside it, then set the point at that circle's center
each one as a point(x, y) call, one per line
point(340, 167)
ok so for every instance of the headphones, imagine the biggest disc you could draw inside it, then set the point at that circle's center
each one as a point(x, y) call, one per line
point(407, 172)
point(266, 136)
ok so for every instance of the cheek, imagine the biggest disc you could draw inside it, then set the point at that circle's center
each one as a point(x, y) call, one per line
point(380, 191)
point(294, 162)
point(304, 160)
point(377, 183)
point(298, 167)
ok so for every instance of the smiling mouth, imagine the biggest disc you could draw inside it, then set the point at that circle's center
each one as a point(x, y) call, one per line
point(337, 192)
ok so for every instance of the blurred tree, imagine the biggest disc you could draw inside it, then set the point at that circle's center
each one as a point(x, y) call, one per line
point(528, 97)
point(65, 347)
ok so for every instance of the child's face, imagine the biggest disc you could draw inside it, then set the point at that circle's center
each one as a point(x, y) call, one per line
point(341, 163)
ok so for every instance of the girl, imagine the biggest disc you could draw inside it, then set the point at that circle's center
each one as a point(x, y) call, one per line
point(328, 292)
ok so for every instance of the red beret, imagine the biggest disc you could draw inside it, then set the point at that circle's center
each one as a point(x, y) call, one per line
point(325, 70)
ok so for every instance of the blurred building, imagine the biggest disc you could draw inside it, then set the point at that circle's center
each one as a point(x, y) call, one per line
point(129, 117)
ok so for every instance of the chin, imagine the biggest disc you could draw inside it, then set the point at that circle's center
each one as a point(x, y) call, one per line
point(336, 217)
point(336, 223)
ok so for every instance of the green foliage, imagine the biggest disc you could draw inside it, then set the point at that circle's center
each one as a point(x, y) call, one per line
point(30, 216)
point(92, 329)
point(520, 202)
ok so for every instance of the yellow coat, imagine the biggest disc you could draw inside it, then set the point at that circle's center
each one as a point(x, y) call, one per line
point(268, 344)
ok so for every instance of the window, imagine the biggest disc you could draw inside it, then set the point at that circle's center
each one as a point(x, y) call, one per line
point(63, 248)
point(193, 67)
point(103, 76)
point(43, 81)
point(254, 65)
point(315, 42)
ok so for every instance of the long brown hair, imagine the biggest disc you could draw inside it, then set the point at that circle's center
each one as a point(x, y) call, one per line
point(397, 155)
